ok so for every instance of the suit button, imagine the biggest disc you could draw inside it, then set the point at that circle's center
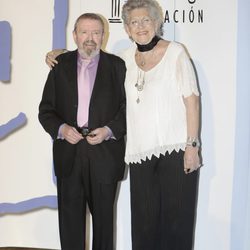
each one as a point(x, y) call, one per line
point(75, 106)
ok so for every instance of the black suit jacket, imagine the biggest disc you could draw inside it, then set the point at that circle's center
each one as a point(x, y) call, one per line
point(107, 108)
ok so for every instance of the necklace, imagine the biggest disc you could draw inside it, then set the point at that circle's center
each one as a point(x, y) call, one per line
point(142, 60)
point(140, 83)
point(146, 56)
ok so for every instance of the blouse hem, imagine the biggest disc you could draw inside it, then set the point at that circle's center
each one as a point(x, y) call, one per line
point(139, 157)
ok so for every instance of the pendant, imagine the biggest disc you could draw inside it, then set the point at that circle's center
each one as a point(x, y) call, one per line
point(140, 87)
point(138, 100)
point(143, 63)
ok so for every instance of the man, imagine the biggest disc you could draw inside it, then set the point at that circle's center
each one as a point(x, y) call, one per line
point(83, 109)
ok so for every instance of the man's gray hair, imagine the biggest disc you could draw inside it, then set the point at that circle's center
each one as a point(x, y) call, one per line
point(91, 16)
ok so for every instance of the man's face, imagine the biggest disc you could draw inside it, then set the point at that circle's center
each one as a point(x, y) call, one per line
point(88, 37)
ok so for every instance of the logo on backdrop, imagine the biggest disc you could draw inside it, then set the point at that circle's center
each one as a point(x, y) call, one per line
point(191, 15)
point(115, 11)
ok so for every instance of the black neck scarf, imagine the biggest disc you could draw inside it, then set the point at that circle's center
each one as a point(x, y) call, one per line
point(149, 46)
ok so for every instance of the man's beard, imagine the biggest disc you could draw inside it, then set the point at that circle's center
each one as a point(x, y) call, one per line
point(89, 52)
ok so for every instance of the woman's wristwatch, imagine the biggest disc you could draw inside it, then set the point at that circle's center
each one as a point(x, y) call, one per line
point(193, 142)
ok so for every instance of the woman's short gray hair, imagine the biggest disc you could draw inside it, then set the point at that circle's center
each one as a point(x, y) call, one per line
point(153, 8)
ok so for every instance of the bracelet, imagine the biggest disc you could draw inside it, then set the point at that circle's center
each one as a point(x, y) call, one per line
point(193, 142)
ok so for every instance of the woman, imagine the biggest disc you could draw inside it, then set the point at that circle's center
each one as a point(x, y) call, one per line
point(162, 132)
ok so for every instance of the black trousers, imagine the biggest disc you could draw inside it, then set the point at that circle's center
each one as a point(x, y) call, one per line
point(163, 204)
point(74, 192)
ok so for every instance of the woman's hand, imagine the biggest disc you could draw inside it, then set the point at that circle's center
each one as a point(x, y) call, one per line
point(50, 58)
point(191, 159)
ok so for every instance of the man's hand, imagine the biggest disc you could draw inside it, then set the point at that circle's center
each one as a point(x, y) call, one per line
point(97, 136)
point(70, 134)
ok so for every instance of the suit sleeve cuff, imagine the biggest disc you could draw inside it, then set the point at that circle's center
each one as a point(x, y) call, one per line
point(60, 136)
point(110, 134)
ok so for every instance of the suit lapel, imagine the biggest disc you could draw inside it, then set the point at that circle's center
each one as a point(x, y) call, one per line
point(99, 80)
point(71, 68)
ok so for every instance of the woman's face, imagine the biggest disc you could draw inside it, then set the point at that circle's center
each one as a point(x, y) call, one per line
point(141, 27)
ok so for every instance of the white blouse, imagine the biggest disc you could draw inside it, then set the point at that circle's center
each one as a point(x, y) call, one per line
point(157, 123)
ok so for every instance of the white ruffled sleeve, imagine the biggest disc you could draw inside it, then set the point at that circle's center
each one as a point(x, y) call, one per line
point(185, 75)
